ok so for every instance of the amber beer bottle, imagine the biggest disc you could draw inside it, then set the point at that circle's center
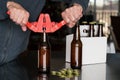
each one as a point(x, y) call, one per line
point(42, 77)
point(76, 49)
point(91, 33)
point(44, 52)
point(100, 30)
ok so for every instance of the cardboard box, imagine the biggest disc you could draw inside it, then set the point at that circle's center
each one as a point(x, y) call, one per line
point(94, 49)
point(87, 72)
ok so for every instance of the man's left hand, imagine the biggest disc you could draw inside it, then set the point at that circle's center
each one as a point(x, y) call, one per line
point(72, 14)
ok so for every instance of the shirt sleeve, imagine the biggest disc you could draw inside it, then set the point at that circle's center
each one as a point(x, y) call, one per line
point(33, 7)
point(3, 9)
point(83, 3)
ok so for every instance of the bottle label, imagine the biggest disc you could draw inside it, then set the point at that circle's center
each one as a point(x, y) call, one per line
point(84, 30)
point(95, 30)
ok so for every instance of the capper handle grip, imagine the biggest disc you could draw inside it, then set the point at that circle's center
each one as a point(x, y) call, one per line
point(33, 26)
point(28, 23)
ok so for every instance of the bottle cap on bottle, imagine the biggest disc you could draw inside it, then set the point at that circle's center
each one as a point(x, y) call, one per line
point(84, 22)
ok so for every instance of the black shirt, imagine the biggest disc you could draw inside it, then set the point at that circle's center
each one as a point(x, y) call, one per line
point(13, 40)
point(34, 7)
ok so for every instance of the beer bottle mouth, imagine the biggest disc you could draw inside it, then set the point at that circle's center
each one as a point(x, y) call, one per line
point(44, 29)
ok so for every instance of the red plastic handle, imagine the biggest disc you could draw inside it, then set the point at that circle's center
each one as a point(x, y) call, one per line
point(8, 12)
point(28, 23)
point(31, 26)
point(50, 26)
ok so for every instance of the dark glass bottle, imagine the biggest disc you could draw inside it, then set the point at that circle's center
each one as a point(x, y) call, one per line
point(42, 77)
point(91, 32)
point(44, 52)
point(76, 50)
point(85, 30)
point(100, 30)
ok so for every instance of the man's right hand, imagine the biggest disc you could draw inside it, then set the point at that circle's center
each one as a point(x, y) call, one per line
point(18, 14)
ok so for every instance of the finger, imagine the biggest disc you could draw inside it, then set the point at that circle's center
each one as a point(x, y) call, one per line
point(72, 18)
point(71, 24)
point(19, 19)
point(26, 17)
point(12, 15)
point(78, 18)
point(65, 16)
point(70, 14)
point(16, 16)
point(75, 16)
point(77, 13)
point(24, 28)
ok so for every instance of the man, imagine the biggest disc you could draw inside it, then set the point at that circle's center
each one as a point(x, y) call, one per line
point(14, 34)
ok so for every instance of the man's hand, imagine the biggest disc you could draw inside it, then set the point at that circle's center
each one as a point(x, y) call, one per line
point(18, 14)
point(72, 14)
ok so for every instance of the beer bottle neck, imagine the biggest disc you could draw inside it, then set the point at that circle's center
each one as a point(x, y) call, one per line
point(77, 33)
point(44, 35)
